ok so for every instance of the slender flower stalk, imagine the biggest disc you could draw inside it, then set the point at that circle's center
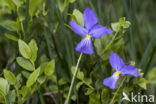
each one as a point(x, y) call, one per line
point(110, 43)
point(73, 79)
point(117, 90)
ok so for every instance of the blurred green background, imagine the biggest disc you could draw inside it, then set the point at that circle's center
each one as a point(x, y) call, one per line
point(47, 21)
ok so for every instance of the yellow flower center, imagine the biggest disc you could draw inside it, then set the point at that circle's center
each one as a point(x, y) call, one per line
point(88, 36)
point(117, 73)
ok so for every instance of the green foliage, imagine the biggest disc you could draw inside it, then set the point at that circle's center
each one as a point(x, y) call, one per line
point(9, 36)
point(83, 80)
point(49, 69)
point(7, 24)
point(94, 99)
point(24, 49)
point(80, 74)
point(11, 96)
point(23, 92)
point(33, 77)
point(25, 63)
point(37, 50)
point(78, 16)
point(34, 49)
point(142, 82)
point(151, 76)
point(33, 5)
point(122, 23)
point(4, 87)
point(9, 76)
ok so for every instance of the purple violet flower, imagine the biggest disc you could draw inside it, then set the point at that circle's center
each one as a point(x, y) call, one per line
point(120, 68)
point(91, 30)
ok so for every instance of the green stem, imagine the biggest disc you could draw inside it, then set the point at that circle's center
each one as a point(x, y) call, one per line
point(110, 43)
point(73, 79)
point(22, 29)
point(17, 93)
point(117, 90)
point(1, 93)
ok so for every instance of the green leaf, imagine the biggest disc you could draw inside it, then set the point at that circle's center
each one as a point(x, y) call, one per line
point(142, 82)
point(132, 63)
point(6, 24)
point(121, 24)
point(104, 95)
point(33, 77)
point(12, 96)
point(10, 4)
point(24, 63)
point(62, 82)
point(41, 79)
point(18, 3)
point(15, 25)
point(87, 81)
point(53, 78)
point(152, 76)
point(115, 26)
point(42, 67)
point(78, 85)
point(94, 99)
point(73, 97)
point(89, 91)
point(53, 88)
point(34, 88)
point(33, 4)
point(21, 14)
point(9, 36)
point(24, 49)
point(26, 74)
point(24, 91)
point(79, 17)
point(122, 19)
point(18, 78)
point(9, 76)
point(49, 69)
point(34, 49)
point(72, 1)
point(4, 86)
point(80, 75)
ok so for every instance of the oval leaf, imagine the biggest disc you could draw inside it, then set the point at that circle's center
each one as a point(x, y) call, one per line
point(24, 63)
point(4, 86)
point(9, 36)
point(80, 75)
point(79, 17)
point(33, 77)
point(34, 49)
point(9, 76)
point(49, 69)
point(24, 49)
point(33, 4)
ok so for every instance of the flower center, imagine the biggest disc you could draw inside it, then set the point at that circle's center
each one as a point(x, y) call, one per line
point(117, 73)
point(88, 36)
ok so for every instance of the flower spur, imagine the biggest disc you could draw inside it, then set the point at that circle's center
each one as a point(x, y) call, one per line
point(91, 30)
point(121, 68)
